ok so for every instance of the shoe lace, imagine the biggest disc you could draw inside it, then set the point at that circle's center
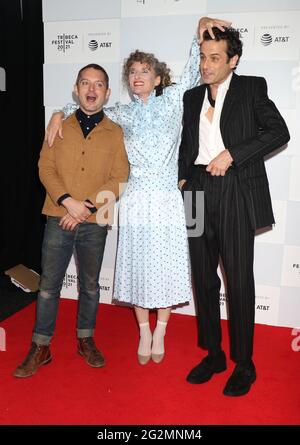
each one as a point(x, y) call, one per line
point(32, 351)
point(90, 343)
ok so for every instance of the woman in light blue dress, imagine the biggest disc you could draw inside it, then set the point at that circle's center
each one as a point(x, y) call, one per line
point(152, 265)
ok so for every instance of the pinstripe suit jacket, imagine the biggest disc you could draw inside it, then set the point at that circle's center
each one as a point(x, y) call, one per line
point(251, 127)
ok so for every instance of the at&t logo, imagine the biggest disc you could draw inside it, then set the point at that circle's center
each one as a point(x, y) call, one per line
point(266, 39)
point(93, 45)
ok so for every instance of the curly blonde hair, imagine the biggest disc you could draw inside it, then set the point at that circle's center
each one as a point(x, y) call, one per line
point(160, 68)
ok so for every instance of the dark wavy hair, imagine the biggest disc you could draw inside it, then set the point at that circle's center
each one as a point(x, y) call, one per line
point(233, 39)
point(95, 67)
point(160, 68)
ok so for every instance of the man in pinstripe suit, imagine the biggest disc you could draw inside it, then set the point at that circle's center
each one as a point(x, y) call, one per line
point(229, 125)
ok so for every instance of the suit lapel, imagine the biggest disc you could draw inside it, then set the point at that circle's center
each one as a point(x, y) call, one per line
point(231, 99)
point(196, 107)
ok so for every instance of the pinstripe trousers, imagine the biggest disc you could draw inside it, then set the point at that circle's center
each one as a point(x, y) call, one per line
point(227, 236)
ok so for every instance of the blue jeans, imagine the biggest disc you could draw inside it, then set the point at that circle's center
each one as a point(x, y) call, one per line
point(88, 241)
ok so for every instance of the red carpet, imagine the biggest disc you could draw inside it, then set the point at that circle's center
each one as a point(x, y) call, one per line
point(67, 391)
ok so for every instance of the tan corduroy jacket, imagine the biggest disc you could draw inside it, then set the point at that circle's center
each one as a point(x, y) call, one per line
point(84, 167)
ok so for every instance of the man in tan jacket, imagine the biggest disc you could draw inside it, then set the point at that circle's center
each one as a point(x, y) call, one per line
point(83, 174)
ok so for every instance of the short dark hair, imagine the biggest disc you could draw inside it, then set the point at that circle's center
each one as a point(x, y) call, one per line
point(233, 39)
point(95, 67)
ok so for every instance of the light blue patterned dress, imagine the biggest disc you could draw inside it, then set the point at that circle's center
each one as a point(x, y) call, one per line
point(152, 265)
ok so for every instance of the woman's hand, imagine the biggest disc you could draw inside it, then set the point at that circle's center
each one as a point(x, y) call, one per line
point(54, 127)
point(207, 23)
point(181, 184)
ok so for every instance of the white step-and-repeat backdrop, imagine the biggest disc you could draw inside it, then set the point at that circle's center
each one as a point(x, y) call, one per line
point(79, 32)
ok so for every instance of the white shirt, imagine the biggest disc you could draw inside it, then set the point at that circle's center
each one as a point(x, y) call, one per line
point(210, 139)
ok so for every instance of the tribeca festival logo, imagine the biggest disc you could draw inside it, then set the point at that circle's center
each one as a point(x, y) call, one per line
point(2, 339)
point(223, 299)
point(64, 42)
point(69, 280)
point(243, 31)
point(296, 341)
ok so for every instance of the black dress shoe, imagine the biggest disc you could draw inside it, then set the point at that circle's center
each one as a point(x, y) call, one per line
point(209, 366)
point(240, 381)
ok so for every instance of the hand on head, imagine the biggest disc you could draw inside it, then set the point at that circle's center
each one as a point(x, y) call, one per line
point(207, 23)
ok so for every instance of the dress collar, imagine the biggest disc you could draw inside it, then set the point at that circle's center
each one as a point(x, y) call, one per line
point(151, 97)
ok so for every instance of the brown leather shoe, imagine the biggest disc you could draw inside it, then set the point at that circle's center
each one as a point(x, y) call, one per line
point(37, 356)
point(92, 355)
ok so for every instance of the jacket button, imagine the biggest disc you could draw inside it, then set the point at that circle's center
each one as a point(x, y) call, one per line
point(82, 169)
point(83, 152)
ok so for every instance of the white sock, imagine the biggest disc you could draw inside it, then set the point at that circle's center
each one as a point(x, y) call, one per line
point(158, 346)
point(145, 339)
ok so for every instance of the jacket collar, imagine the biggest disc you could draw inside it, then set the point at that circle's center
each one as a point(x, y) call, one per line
point(231, 99)
point(105, 124)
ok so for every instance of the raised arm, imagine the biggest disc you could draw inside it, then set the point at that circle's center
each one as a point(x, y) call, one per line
point(208, 23)
point(190, 76)
point(185, 145)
